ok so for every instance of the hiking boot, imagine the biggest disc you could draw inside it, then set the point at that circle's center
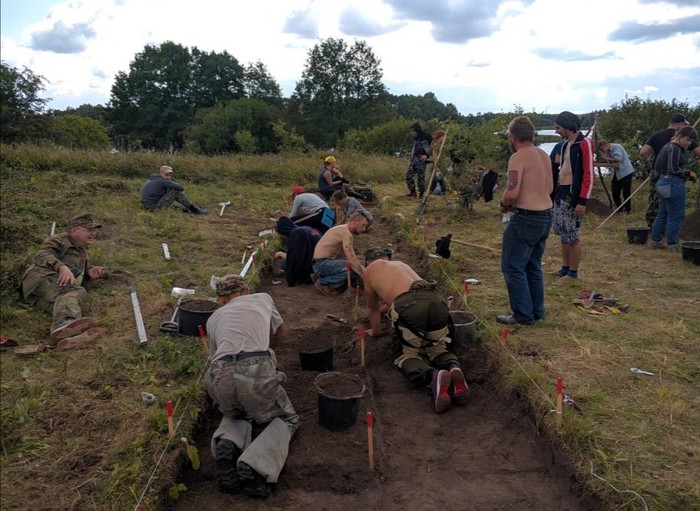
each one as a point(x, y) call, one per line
point(326, 290)
point(411, 194)
point(197, 211)
point(674, 248)
point(80, 340)
point(73, 328)
point(439, 390)
point(560, 273)
point(460, 390)
point(226, 474)
point(657, 244)
point(420, 195)
point(254, 485)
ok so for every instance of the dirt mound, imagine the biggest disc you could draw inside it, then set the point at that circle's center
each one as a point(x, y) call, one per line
point(691, 227)
point(596, 207)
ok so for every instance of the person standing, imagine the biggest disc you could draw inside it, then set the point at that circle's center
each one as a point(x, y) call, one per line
point(527, 195)
point(655, 143)
point(420, 319)
point(622, 174)
point(572, 193)
point(54, 282)
point(334, 252)
point(419, 156)
point(244, 381)
point(671, 188)
point(161, 192)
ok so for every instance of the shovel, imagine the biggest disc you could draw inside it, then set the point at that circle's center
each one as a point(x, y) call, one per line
point(172, 326)
point(223, 206)
point(421, 206)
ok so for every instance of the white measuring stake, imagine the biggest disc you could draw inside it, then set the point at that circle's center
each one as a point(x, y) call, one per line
point(141, 329)
point(53, 228)
point(166, 252)
point(248, 263)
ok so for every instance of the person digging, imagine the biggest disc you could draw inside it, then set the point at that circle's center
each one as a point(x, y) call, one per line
point(54, 283)
point(420, 319)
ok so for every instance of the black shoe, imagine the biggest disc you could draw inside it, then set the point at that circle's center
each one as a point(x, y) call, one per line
point(254, 485)
point(356, 195)
point(411, 194)
point(420, 195)
point(226, 474)
point(198, 211)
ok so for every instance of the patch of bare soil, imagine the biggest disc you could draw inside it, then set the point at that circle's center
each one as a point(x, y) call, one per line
point(486, 455)
point(691, 227)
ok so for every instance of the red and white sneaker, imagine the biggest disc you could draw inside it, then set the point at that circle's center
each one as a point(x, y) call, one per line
point(439, 390)
point(460, 389)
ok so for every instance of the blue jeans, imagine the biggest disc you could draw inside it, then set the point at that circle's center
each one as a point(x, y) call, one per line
point(521, 263)
point(671, 191)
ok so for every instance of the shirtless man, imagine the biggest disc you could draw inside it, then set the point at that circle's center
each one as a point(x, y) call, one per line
point(572, 193)
point(334, 251)
point(419, 319)
point(527, 195)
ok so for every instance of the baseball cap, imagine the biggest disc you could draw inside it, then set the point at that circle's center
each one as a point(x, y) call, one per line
point(167, 169)
point(329, 159)
point(679, 118)
point(374, 252)
point(230, 284)
point(85, 220)
point(297, 190)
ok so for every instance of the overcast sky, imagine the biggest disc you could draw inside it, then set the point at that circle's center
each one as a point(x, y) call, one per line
point(480, 55)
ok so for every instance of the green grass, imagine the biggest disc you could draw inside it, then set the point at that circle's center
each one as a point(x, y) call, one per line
point(75, 432)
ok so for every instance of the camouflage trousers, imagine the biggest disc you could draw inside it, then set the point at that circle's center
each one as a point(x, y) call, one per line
point(172, 196)
point(416, 170)
point(653, 207)
point(64, 303)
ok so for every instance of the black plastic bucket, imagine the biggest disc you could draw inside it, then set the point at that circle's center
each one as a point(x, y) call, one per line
point(339, 397)
point(193, 313)
point(317, 360)
point(690, 250)
point(637, 235)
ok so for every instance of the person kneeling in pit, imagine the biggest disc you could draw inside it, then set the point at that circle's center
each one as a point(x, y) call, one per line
point(420, 319)
point(244, 381)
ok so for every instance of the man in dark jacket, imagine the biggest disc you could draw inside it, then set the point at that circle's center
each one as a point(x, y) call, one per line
point(160, 192)
point(420, 152)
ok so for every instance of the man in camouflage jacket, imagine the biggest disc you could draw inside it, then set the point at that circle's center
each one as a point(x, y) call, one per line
point(54, 281)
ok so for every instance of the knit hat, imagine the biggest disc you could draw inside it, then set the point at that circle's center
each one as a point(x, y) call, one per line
point(230, 284)
point(84, 220)
point(679, 118)
point(374, 252)
point(297, 190)
point(416, 127)
point(568, 120)
point(329, 159)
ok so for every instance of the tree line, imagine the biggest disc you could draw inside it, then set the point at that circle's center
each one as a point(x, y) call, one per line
point(174, 98)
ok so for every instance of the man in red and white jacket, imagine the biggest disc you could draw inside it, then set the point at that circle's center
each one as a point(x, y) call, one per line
point(572, 192)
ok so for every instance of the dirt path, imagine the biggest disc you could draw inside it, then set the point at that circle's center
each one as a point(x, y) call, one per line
point(484, 456)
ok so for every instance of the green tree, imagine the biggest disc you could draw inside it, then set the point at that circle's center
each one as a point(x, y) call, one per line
point(220, 130)
point(165, 87)
point(21, 104)
point(341, 88)
point(80, 132)
point(259, 84)
point(425, 107)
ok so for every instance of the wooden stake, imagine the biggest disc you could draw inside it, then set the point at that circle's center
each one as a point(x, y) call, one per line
point(560, 398)
point(357, 302)
point(505, 335)
point(623, 203)
point(370, 441)
point(205, 341)
point(169, 412)
point(245, 252)
point(362, 345)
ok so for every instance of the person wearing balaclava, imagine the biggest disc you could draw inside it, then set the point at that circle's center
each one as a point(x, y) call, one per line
point(419, 157)
point(572, 192)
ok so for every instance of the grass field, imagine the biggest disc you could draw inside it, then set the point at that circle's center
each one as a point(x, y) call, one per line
point(76, 434)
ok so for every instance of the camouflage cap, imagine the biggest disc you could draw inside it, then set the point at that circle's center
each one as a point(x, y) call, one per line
point(85, 220)
point(374, 252)
point(230, 284)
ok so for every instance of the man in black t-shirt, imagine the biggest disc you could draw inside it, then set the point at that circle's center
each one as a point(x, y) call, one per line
point(656, 143)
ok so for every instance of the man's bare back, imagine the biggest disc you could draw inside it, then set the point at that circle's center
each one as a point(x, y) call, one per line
point(330, 246)
point(388, 279)
point(535, 175)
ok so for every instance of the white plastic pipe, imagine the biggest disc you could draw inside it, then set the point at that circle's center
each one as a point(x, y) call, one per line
point(140, 328)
